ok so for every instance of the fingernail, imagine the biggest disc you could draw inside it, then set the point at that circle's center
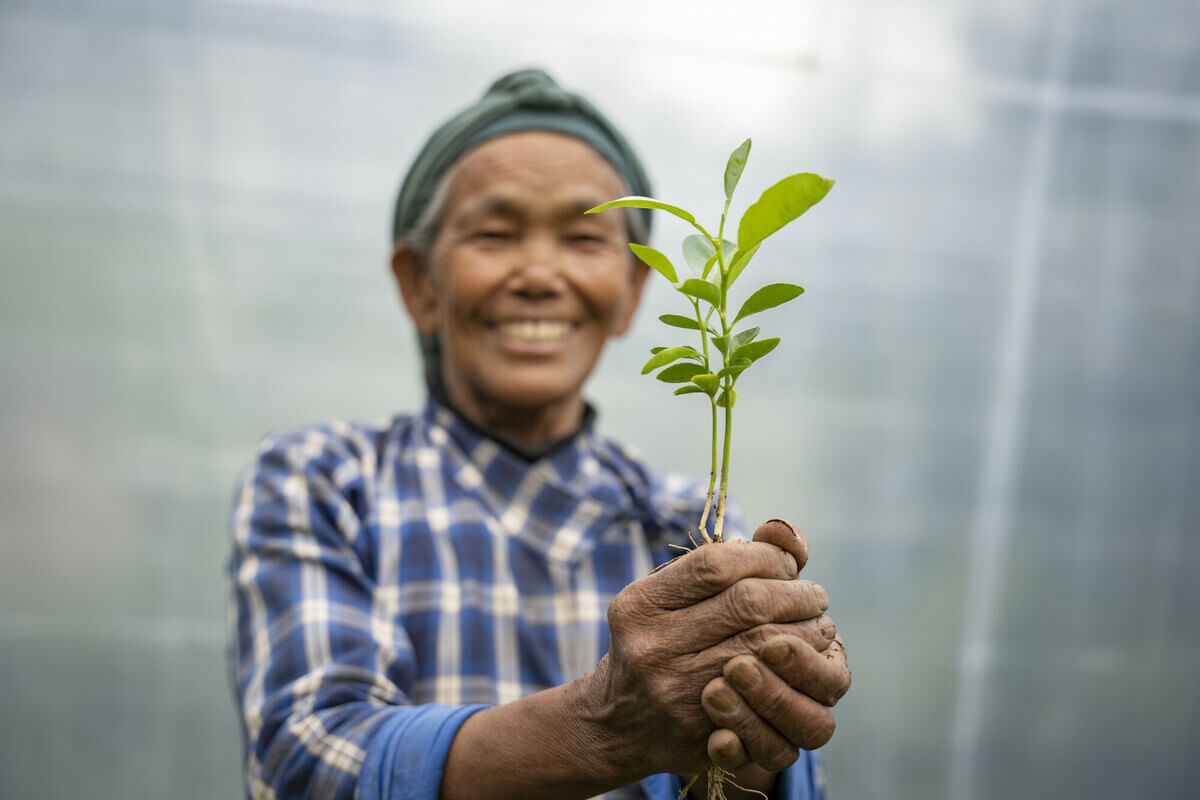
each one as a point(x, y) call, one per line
point(829, 630)
point(777, 654)
point(723, 701)
point(791, 528)
point(745, 676)
point(823, 595)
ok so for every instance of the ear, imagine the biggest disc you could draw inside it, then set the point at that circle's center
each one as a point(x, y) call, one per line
point(633, 297)
point(415, 282)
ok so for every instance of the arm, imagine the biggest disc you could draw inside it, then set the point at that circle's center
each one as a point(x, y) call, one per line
point(637, 713)
point(322, 679)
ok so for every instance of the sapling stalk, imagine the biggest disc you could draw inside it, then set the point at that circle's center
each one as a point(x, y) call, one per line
point(716, 264)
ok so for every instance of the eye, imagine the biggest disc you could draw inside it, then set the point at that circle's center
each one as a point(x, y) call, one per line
point(587, 238)
point(494, 234)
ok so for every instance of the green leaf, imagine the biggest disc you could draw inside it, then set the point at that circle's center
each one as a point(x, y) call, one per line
point(707, 381)
point(680, 373)
point(702, 290)
point(724, 402)
point(635, 201)
point(697, 250)
point(657, 350)
point(769, 296)
point(655, 259)
point(779, 205)
point(747, 335)
point(689, 389)
point(735, 367)
point(740, 261)
point(755, 350)
point(680, 321)
point(728, 249)
point(734, 167)
point(666, 356)
point(737, 341)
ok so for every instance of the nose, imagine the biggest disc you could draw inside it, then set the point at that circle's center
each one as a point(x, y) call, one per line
point(538, 269)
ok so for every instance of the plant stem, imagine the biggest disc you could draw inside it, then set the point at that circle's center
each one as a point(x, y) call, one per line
point(712, 478)
point(712, 471)
point(726, 331)
point(717, 531)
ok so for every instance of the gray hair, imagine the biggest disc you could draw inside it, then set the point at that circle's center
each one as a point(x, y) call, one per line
point(425, 230)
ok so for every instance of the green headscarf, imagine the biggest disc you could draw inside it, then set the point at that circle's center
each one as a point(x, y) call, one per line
point(524, 100)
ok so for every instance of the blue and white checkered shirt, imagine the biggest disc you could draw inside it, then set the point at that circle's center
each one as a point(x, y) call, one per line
point(389, 581)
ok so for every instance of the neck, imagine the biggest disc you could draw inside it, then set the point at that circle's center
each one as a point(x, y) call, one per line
point(531, 428)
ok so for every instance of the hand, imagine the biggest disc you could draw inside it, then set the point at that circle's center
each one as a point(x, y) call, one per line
point(674, 631)
point(770, 705)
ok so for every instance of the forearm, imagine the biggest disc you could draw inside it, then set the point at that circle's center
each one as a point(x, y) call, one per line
point(553, 744)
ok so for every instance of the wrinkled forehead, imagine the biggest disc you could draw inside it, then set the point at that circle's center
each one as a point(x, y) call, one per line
point(533, 167)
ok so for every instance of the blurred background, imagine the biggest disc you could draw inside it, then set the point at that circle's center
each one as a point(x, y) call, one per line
point(985, 412)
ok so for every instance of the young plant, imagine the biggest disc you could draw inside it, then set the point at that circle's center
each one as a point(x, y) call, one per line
point(716, 264)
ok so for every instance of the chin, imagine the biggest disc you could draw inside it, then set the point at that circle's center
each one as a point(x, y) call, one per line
point(534, 395)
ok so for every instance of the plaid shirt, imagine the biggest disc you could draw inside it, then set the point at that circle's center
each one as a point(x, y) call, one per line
point(389, 581)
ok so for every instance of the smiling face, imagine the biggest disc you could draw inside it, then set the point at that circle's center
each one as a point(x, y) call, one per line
point(520, 287)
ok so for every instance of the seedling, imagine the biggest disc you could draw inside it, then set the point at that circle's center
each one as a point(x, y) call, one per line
point(716, 264)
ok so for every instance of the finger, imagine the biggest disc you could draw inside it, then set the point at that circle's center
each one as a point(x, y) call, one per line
point(725, 750)
point(803, 721)
point(711, 569)
point(823, 676)
point(763, 744)
point(752, 602)
point(818, 633)
point(785, 536)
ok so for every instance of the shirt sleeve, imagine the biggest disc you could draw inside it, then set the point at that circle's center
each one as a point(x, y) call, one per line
point(803, 780)
point(322, 675)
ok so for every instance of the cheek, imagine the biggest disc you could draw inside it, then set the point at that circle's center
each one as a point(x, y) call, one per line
point(609, 290)
point(620, 296)
point(458, 291)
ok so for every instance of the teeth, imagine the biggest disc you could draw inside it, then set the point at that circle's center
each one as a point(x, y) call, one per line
point(541, 330)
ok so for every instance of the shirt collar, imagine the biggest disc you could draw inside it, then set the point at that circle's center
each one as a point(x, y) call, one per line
point(564, 500)
point(438, 393)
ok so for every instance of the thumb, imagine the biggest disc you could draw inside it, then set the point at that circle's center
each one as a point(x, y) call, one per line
point(786, 537)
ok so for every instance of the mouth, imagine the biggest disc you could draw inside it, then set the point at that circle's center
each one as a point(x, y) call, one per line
point(535, 330)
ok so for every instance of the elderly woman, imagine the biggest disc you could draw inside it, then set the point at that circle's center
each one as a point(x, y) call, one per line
point(459, 603)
